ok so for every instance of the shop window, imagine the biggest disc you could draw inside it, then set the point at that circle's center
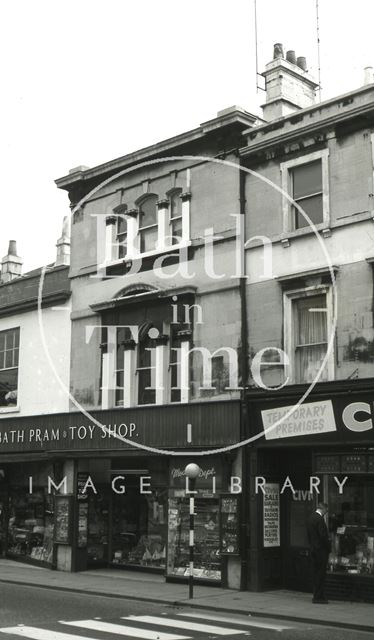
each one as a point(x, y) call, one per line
point(307, 322)
point(351, 525)
point(207, 540)
point(148, 224)
point(9, 355)
point(305, 179)
point(31, 524)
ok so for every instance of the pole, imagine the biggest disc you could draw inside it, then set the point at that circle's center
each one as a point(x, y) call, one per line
point(192, 541)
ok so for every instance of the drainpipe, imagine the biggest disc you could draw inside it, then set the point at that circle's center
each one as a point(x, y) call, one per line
point(245, 374)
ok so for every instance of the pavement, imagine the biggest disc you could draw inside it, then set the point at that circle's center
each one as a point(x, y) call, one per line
point(131, 585)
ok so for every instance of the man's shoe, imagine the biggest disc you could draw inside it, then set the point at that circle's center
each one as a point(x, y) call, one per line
point(320, 601)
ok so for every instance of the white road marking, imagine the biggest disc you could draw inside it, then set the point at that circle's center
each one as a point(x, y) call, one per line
point(42, 634)
point(244, 623)
point(179, 624)
point(121, 630)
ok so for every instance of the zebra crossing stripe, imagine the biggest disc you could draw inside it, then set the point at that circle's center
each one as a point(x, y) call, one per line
point(42, 634)
point(243, 623)
point(186, 624)
point(121, 630)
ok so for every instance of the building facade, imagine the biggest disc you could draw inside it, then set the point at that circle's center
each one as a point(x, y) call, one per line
point(34, 379)
point(157, 348)
point(311, 315)
point(221, 293)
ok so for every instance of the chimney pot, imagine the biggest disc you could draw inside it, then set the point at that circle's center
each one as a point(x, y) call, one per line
point(278, 51)
point(63, 245)
point(11, 264)
point(12, 249)
point(291, 56)
point(301, 62)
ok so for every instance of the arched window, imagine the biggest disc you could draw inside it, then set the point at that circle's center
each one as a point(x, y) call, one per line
point(148, 224)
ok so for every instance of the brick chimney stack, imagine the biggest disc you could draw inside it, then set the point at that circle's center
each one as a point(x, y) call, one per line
point(11, 264)
point(288, 85)
point(63, 245)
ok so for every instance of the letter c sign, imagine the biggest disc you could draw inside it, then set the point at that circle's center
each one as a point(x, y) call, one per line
point(349, 418)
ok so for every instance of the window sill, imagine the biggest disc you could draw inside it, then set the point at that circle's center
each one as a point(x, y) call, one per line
point(5, 410)
point(322, 228)
point(149, 254)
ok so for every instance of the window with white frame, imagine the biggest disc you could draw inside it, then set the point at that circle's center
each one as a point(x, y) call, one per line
point(121, 235)
point(305, 180)
point(154, 225)
point(176, 216)
point(148, 224)
point(9, 356)
point(308, 317)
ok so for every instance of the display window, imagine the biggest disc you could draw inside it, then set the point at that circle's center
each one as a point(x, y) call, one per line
point(139, 528)
point(207, 561)
point(31, 524)
point(351, 525)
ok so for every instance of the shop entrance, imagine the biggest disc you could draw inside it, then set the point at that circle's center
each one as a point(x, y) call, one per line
point(297, 564)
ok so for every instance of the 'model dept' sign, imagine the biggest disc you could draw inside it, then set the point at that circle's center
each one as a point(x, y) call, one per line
point(308, 419)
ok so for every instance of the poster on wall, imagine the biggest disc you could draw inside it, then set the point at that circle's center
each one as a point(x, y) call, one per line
point(229, 521)
point(63, 512)
point(271, 515)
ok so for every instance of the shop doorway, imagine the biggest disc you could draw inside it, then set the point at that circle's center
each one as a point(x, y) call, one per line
point(297, 564)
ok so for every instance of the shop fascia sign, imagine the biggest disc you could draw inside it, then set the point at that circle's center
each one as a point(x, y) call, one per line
point(315, 418)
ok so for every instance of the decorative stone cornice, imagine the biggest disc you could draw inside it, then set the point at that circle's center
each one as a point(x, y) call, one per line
point(132, 212)
point(162, 339)
point(185, 196)
point(110, 220)
point(185, 334)
point(164, 203)
point(128, 345)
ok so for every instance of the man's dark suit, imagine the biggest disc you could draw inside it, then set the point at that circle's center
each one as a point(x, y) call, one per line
point(320, 548)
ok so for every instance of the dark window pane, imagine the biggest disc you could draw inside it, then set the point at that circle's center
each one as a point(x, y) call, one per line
point(119, 389)
point(307, 179)
point(313, 207)
point(175, 205)
point(145, 355)
point(121, 225)
point(8, 359)
point(16, 337)
point(148, 212)
point(8, 387)
point(148, 239)
point(176, 230)
point(2, 341)
point(122, 246)
point(145, 396)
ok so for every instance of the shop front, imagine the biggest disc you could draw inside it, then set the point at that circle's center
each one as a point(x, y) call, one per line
point(78, 496)
point(322, 450)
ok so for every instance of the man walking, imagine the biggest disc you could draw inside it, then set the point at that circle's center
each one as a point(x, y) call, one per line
point(320, 548)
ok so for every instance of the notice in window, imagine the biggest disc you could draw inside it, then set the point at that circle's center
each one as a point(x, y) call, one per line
point(271, 515)
point(309, 419)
